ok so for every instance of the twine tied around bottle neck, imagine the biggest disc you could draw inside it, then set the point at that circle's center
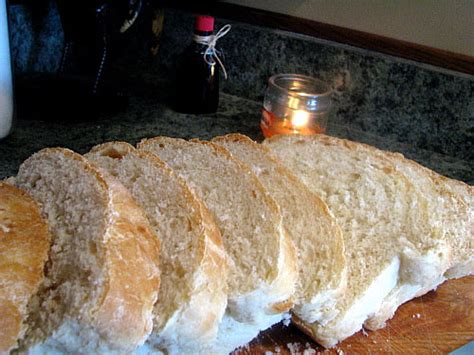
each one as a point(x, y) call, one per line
point(211, 54)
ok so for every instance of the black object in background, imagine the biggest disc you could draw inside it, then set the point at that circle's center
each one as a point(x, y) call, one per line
point(86, 85)
point(197, 88)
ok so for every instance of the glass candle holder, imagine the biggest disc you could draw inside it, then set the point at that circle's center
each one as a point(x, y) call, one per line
point(295, 104)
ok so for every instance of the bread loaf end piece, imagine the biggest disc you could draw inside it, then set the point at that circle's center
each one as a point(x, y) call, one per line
point(24, 247)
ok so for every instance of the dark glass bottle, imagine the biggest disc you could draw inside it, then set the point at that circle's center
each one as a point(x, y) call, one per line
point(197, 80)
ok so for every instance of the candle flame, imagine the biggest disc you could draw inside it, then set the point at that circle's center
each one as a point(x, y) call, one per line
point(300, 118)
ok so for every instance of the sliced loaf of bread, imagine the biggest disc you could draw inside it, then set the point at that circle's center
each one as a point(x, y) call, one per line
point(24, 248)
point(102, 277)
point(193, 294)
point(263, 270)
point(308, 222)
point(389, 238)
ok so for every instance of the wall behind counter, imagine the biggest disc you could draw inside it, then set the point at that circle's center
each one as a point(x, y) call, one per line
point(442, 24)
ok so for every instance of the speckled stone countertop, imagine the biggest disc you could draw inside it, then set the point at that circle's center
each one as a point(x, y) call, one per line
point(418, 105)
point(147, 117)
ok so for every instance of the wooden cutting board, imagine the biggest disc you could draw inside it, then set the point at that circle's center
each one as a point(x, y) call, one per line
point(436, 323)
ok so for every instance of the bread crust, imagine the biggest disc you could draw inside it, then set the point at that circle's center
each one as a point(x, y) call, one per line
point(123, 315)
point(24, 247)
point(303, 326)
point(209, 292)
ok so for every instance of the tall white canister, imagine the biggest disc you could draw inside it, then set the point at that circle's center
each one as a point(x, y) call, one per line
point(6, 87)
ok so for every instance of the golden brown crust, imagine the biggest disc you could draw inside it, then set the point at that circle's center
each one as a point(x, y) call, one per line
point(303, 326)
point(114, 149)
point(124, 314)
point(11, 324)
point(24, 247)
point(311, 332)
point(282, 307)
point(214, 257)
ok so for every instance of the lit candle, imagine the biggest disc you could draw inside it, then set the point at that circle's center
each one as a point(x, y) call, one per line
point(295, 104)
point(300, 119)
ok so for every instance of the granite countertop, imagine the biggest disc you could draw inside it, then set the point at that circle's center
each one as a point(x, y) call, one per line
point(148, 116)
point(421, 111)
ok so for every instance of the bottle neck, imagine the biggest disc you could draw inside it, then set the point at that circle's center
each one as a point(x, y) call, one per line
point(202, 36)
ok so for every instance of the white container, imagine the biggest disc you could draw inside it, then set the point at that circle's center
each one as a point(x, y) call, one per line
point(6, 87)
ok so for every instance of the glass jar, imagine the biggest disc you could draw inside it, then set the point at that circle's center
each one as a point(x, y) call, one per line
point(295, 104)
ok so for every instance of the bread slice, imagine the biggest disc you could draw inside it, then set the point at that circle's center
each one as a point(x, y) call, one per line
point(102, 277)
point(389, 238)
point(308, 222)
point(443, 203)
point(193, 291)
point(24, 247)
point(263, 270)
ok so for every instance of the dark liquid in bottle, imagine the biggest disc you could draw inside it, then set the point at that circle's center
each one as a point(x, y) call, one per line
point(197, 81)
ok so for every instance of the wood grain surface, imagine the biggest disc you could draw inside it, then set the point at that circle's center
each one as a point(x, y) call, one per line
point(436, 323)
